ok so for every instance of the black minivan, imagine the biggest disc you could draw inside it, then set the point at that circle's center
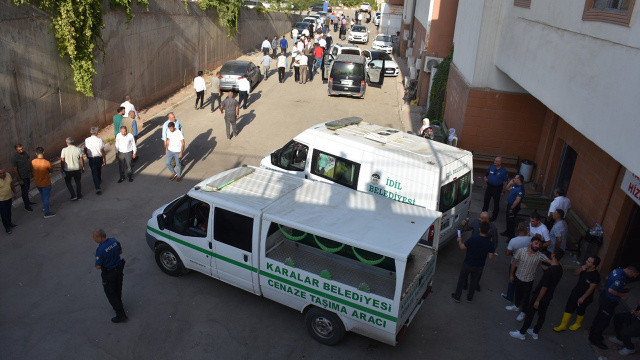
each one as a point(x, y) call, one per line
point(349, 75)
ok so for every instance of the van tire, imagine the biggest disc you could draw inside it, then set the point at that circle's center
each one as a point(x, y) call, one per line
point(168, 261)
point(324, 326)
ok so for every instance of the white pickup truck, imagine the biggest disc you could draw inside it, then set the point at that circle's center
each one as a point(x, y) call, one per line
point(347, 260)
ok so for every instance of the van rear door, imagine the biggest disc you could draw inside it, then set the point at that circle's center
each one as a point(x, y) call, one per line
point(233, 235)
point(375, 71)
point(327, 60)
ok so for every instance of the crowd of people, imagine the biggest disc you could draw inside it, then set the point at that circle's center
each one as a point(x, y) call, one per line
point(535, 247)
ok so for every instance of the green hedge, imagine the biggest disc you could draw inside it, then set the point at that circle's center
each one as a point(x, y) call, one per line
point(439, 89)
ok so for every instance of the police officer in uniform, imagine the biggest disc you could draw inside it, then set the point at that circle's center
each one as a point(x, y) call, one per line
point(109, 262)
point(496, 177)
point(516, 194)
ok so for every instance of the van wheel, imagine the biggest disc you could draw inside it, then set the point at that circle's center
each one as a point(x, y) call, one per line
point(324, 326)
point(168, 260)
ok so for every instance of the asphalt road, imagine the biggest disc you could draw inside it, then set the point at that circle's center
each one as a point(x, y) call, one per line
point(52, 304)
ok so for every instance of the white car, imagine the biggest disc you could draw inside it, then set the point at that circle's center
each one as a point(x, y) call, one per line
point(390, 66)
point(359, 33)
point(365, 6)
point(382, 42)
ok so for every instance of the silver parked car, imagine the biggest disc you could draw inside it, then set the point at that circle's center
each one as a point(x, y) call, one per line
point(234, 69)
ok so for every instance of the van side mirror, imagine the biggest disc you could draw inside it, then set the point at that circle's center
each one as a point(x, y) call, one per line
point(161, 222)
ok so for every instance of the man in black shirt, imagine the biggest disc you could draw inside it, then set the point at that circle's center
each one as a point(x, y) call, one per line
point(582, 294)
point(627, 326)
point(477, 249)
point(543, 295)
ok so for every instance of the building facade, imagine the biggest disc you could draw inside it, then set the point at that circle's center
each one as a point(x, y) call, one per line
point(556, 83)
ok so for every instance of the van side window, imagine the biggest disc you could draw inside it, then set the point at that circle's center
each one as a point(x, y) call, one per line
point(334, 52)
point(334, 168)
point(233, 229)
point(293, 156)
point(453, 193)
point(190, 217)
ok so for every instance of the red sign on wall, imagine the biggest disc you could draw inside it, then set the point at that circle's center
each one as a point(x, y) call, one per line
point(631, 186)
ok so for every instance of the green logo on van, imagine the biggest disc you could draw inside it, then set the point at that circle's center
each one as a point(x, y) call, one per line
point(394, 184)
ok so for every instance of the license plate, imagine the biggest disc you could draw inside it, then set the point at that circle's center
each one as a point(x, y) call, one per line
point(389, 71)
point(346, 82)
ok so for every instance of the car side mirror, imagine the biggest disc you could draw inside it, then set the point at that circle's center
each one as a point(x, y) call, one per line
point(161, 222)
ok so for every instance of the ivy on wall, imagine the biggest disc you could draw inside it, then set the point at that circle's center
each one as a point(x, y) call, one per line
point(438, 89)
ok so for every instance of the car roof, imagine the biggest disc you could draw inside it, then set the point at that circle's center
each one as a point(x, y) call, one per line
point(350, 58)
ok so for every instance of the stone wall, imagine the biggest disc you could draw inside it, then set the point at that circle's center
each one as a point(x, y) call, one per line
point(157, 53)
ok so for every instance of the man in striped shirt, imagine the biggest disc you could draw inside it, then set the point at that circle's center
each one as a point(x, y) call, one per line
point(526, 260)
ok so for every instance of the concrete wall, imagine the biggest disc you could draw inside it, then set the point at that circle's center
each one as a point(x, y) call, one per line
point(159, 52)
point(585, 71)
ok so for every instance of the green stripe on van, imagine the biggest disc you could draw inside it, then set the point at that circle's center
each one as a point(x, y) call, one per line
point(208, 252)
point(275, 277)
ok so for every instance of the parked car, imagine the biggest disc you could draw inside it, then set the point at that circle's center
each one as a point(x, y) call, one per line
point(311, 20)
point(344, 49)
point(365, 7)
point(320, 7)
point(383, 42)
point(346, 75)
point(252, 4)
point(390, 66)
point(232, 70)
point(359, 33)
point(300, 26)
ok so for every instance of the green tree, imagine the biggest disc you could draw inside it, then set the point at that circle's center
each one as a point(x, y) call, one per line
point(439, 89)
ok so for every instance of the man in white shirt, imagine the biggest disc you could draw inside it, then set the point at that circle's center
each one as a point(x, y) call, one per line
point(282, 66)
point(560, 201)
point(266, 46)
point(537, 227)
point(171, 118)
point(128, 106)
point(125, 153)
point(323, 43)
point(294, 34)
point(94, 149)
point(200, 88)
point(305, 32)
point(266, 64)
point(174, 147)
point(244, 86)
point(303, 63)
point(72, 164)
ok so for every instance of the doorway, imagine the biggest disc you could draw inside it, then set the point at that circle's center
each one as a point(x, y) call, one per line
point(565, 169)
point(629, 251)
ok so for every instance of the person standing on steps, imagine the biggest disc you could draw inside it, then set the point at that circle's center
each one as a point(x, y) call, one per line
point(22, 168)
point(516, 194)
point(200, 87)
point(111, 266)
point(581, 295)
point(495, 178)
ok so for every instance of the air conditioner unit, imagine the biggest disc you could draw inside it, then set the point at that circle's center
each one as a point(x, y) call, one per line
point(430, 62)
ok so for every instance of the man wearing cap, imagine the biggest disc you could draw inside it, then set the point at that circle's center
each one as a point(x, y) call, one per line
point(94, 149)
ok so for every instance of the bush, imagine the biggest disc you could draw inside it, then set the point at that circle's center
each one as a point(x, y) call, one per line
point(439, 89)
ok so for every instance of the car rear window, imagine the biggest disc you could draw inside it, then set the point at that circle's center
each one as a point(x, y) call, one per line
point(347, 69)
point(350, 52)
point(233, 69)
point(385, 38)
point(359, 29)
point(380, 55)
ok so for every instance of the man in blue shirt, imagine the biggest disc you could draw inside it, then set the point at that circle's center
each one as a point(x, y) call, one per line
point(109, 262)
point(477, 249)
point(615, 289)
point(516, 193)
point(284, 44)
point(495, 178)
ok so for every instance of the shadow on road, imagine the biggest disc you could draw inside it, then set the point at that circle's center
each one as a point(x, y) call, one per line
point(245, 120)
point(199, 149)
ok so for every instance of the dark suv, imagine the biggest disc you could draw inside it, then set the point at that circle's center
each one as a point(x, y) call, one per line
point(347, 75)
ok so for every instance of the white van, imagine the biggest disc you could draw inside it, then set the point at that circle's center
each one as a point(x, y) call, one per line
point(385, 162)
point(347, 260)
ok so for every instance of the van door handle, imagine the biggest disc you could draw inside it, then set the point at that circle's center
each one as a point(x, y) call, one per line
point(210, 245)
point(246, 257)
point(306, 176)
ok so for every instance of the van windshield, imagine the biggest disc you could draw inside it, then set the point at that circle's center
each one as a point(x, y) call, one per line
point(455, 192)
point(347, 69)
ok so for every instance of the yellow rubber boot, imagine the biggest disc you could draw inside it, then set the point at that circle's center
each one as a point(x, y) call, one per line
point(577, 324)
point(565, 322)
